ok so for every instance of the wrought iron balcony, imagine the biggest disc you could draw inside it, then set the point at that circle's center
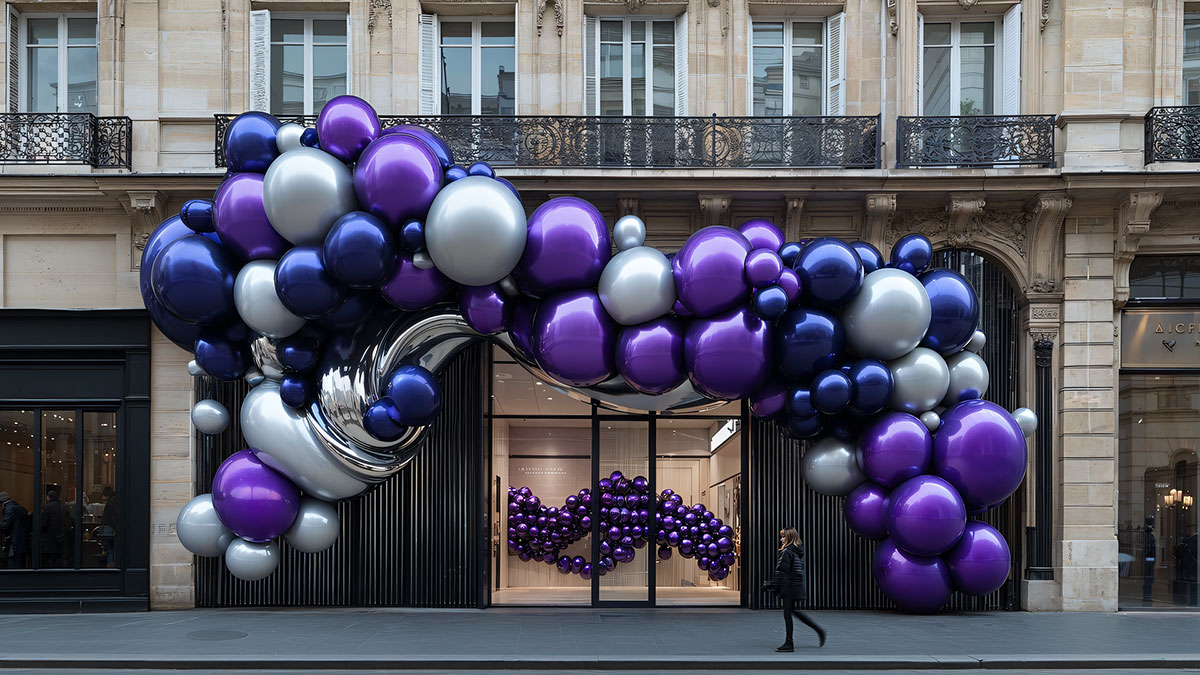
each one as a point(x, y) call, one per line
point(1173, 134)
point(66, 138)
point(643, 142)
point(976, 141)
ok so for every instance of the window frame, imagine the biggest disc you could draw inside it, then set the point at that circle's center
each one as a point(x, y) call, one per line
point(627, 63)
point(477, 48)
point(63, 62)
point(307, 45)
point(955, 48)
point(788, 22)
point(1194, 16)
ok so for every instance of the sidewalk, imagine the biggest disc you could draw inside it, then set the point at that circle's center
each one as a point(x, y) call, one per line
point(589, 639)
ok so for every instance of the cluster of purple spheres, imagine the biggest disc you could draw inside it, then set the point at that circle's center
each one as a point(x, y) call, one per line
point(696, 532)
point(540, 532)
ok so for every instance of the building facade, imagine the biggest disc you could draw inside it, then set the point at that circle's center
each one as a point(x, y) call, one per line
point(1055, 140)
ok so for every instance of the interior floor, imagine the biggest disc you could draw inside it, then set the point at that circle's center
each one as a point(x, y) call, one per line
point(672, 596)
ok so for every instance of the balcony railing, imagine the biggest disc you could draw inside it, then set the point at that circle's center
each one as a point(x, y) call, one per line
point(66, 138)
point(976, 141)
point(1173, 134)
point(643, 142)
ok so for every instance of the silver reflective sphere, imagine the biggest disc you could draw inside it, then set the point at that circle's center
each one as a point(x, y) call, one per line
point(249, 561)
point(194, 369)
point(1027, 420)
point(210, 417)
point(304, 192)
point(263, 352)
point(921, 378)
point(422, 261)
point(475, 231)
point(509, 286)
point(200, 530)
point(888, 317)
point(254, 376)
point(629, 232)
point(968, 377)
point(977, 342)
point(637, 285)
point(288, 137)
point(259, 305)
point(316, 526)
point(931, 420)
point(831, 467)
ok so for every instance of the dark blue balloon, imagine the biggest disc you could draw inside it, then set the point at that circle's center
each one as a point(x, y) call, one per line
point(954, 311)
point(870, 256)
point(455, 172)
point(198, 215)
point(379, 423)
point(360, 250)
point(178, 331)
point(830, 272)
point(808, 341)
point(416, 394)
point(412, 236)
point(352, 312)
point(481, 169)
point(845, 428)
point(294, 391)
point(800, 403)
point(308, 138)
point(805, 427)
point(872, 386)
point(789, 252)
point(298, 355)
point(219, 357)
point(304, 286)
point(237, 331)
point(831, 391)
point(193, 278)
point(770, 303)
point(912, 254)
point(250, 142)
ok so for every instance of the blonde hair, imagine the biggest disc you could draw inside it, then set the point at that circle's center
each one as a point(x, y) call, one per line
point(790, 538)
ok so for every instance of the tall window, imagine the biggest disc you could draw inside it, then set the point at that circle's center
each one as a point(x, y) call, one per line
point(308, 63)
point(1191, 59)
point(959, 68)
point(788, 67)
point(59, 64)
point(637, 67)
point(478, 69)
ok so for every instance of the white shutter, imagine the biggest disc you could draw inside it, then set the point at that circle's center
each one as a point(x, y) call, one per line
point(835, 70)
point(590, 65)
point(260, 60)
point(427, 99)
point(14, 60)
point(1010, 60)
point(920, 64)
point(350, 51)
point(681, 65)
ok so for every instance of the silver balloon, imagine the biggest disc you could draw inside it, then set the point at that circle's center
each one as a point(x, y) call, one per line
point(259, 305)
point(1027, 420)
point(921, 381)
point(831, 467)
point(316, 526)
point(288, 137)
point(194, 369)
point(968, 377)
point(509, 286)
point(977, 342)
point(888, 317)
point(249, 561)
point(210, 417)
point(263, 352)
point(637, 285)
point(200, 530)
point(475, 231)
point(281, 438)
point(629, 232)
point(305, 191)
point(254, 376)
point(931, 420)
point(422, 261)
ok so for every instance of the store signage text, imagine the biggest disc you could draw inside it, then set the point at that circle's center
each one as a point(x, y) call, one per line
point(1160, 338)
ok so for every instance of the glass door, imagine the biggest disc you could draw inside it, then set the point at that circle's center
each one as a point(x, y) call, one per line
point(623, 474)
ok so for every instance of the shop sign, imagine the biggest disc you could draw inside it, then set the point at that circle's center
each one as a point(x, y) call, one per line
point(1153, 338)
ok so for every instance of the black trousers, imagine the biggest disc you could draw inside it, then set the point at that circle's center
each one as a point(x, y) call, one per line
point(790, 598)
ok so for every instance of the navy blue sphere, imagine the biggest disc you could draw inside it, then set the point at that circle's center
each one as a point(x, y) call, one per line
point(416, 394)
point(412, 236)
point(308, 138)
point(198, 215)
point(954, 311)
point(830, 272)
point(298, 354)
point(360, 250)
point(455, 172)
point(294, 391)
point(481, 169)
point(219, 357)
point(789, 252)
point(304, 286)
point(845, 428)
point(805, 427)
point(870, 256)
point(352, 312)
point(808, 341)
point(770, 303)
point(873, 385)
point(508, 184)
point(831, 390)
point(193, 278)
point(378, 422)
point(912, 254)
point(177, 330)
point(800, 404)
point(250, 142)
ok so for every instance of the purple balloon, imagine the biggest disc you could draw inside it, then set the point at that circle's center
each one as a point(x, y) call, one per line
point(709, 271)
point(435, 142)
point(980, 561)
point(524, 312)
point(980, 450)
point(770, 399)
point(762, 234)
point(566, 249)
point(397, 178)
point(789, 281)
point(895, 448)
point(650, 355)
point(241, 220)
point(413, 288)
point(763, 268)
point(487, 309)
point(915, 583)
point(574, 339)
point(728, 356)
point(866, 511)
point(252, 499)
point(346, 126)
point(926, 516)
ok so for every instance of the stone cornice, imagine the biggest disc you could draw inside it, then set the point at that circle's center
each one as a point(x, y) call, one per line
point(1133, 223)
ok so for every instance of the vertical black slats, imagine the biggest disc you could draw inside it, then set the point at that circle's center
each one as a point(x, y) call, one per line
point(1041, 539)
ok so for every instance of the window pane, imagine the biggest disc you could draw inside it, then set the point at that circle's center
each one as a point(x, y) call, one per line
point(498, 83)
point(287, 79)
point(456, 80)
point(101, 516)
point(1191, 59)
point(937, 34)
point(497, 32)
point(637, 31)
point(42, 83)
point(664, 32)
point(978, 33)
point(612, 95)
point(806, 33)
point(81, 31)
point(768, 81)
point(768, 33)
point(16, 479)
point(329, 31)
point(41, 32)
point(611, 31)
point(329, 74)
point(1164, 277)
point(456, 33)
point(936, 81)
point(81, 79)
point(806, 80)
point(287, 30)
point(977, 74)
point(56, 536)
point(637, 79)
point(664, 81)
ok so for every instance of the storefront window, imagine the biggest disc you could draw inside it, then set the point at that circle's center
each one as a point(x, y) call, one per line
point(1162, 277)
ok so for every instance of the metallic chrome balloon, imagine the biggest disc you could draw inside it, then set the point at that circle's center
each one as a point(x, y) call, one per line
point(267, 358)
point(288, 137)
point(210, 417)
point(316, 526)
point(200, 530)
point(249, 561)
point(1027, 420)
point(977, 342)
point(258, 303)
point(888, 317)
point(629, 232)
point(931, 420)
point(475, 231)
point(831, 468)
point(422, 261)
point(254, 377)
point(637, 285)
point(968, 378)
point(305, 191)
point(194, 369)
point(922, 380)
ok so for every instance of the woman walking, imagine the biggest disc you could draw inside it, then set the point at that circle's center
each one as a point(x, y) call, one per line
point(789, 584)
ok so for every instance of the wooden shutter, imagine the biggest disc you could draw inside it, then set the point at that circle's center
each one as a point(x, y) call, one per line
point(1010, 59)
point(260, 60)
point(681, 65)
point(14, 60)
point(920, 64)
point(835, 71)
point(427, 99)
point(590, 65)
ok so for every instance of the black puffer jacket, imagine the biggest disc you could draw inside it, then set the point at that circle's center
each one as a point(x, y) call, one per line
point(789, 571)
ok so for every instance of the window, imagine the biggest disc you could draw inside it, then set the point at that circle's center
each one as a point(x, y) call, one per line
point(787, 68)
point(635, 67)
point(298, 63)
point(478, 69)
point(970, 66)
point(1191, 59)
point(1163, 278)
point(57, 66)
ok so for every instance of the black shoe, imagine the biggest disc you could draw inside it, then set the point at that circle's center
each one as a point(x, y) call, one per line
point(786, 647)
point(821, 634)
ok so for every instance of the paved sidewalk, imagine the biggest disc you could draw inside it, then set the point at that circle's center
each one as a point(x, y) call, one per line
point(590, 639)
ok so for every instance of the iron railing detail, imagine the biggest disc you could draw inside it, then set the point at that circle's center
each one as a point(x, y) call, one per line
point(1173, 134)
point(975, 141)
point(66, 138)
point(642, 142)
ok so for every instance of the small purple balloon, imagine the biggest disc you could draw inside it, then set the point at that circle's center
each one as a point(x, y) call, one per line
point(915, 583)
point(866, 511)
point(770, 399)
point(413, 288)
point(346, 126)
point(763, 267)
point(728, 356)
point(574, 339)
point(980, 561)
point(566, 249)
point(397, 178)
point(487, 309)
point(709, 271)
point(255, 501)
point(762, 234)
point(926, 516)
point(980, 450)
point(789, 281)
point(650, 355)
point(241, 221)
point(895, 447)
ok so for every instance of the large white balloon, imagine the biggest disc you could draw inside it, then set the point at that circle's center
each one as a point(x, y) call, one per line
point(315, 528)
point(968, 378)
point(888, 317)
point(831, 467)
point(921, 381)
point(200, 530)
point(475, 231)
point(637, 285)
point(258, 303)
point(249, 561)
point(304, 192)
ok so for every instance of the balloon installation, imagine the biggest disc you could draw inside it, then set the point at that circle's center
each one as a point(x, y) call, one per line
point(339, 269)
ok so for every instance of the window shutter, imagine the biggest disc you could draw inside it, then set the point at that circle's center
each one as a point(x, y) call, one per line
point(835, 71)
point(681, 65)
point(920, 63)
point(260, 60)
point(427, 99)
point(14, 60)
point(1011, 62)
point(590, 65)
point(349, 57)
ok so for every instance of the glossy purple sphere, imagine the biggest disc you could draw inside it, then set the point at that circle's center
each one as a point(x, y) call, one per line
point(728, 356)
point(255, 501)
point(650, 355)
point(708, 270)
point(397, 178)
point(926, 516)
point(895, 448)
point(566, 248)
point(574, 339)
point(980, 450)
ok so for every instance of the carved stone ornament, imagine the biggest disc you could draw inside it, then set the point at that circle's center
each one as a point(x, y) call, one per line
point(893, 23)
point(1045, 16)
point(880, 207)
point(714, 3)
point(634, 5)
point(146, 209)
point(558, 15)
point(627, 205)
point(1133, 222)
point(967, 4)
point(1044, 247)
point(1044, 313)
point(714, 209)
point(1042, 335)
point(791, 219)
point(376, 9)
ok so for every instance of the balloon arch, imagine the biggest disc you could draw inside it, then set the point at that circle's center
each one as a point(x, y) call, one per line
point(339, 269)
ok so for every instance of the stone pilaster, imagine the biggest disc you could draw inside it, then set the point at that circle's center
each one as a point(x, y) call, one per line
point(172, 474)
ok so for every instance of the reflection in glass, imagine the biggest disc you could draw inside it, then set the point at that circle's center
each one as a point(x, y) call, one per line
point(498, 81)
point(936, 81)
point(1191, 59)
point(17, 482)
point(806, 80)
point(58, 494)
point(768, 81)
point(612, 74)
point(101, 514)
point(82, 89)
point(329, 31)
point(287, 79)
point(321, 42)
point(977, 69)
point(1164, 277)
point(625, 448)
point(287, 30)
point(42, 82)
point(456, 80)
point(329, 74)
point(637, 77)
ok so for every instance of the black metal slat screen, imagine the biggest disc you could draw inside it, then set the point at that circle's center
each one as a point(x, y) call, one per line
point(839, 565)
point(411, 541)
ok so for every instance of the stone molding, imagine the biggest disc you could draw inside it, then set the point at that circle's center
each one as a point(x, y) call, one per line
point(383, 8)
point(146, 210)
point(714, 209)
point(628, 205)
point(1133, 223)
point(791, 219)
point(558, 15)
point(880, 207)
point(1045, 246)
